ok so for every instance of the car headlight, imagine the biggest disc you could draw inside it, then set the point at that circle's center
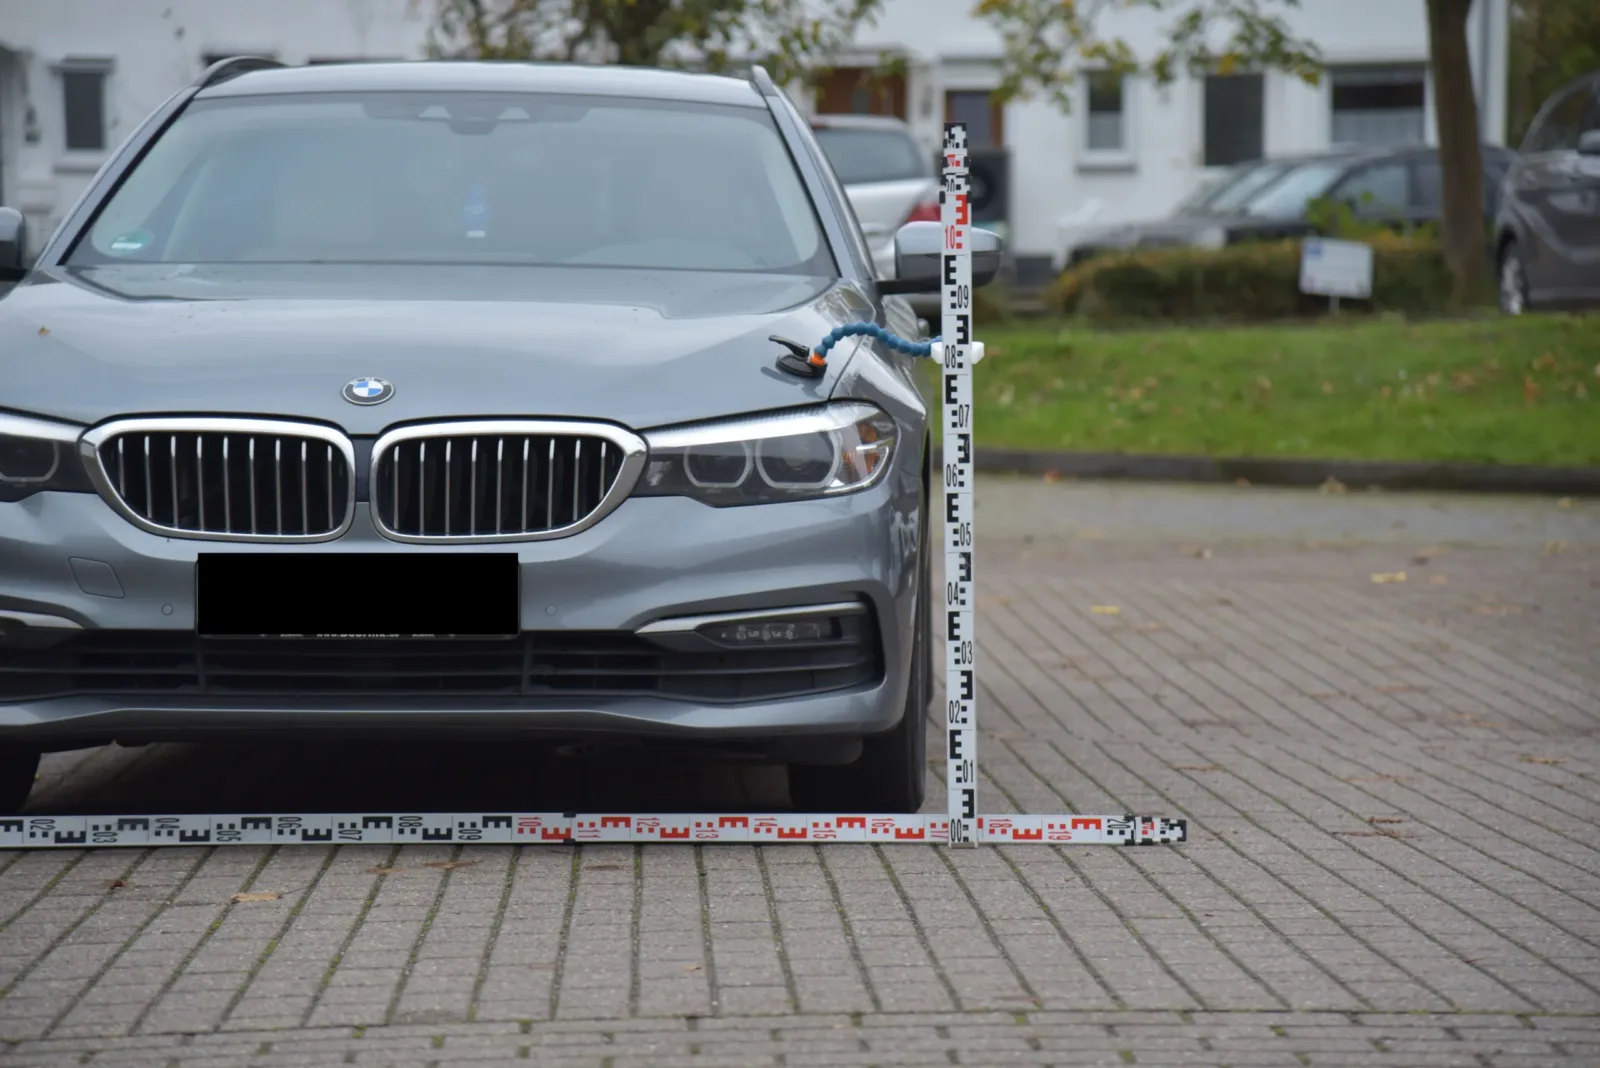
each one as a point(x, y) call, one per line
point(1212, 237)
point(789, 456)
point(39, 455)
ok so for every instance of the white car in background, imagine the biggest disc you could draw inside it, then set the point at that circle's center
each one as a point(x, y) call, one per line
point(890, 179)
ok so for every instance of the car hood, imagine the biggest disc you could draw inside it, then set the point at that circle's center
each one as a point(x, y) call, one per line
point(641, 348)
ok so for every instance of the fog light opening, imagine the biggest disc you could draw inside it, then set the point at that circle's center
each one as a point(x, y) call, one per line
point(784, 630)
point(774, 631)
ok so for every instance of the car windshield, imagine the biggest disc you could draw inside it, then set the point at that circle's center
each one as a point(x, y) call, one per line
point(1247, 186)
point(860, 155)
point(1207, 191)
point(1287, 197)
point(465, 178)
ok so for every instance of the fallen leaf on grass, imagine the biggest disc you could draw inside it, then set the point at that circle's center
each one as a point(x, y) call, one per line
point(1106, 610)
point(448, 865)
point(1388, 576)
point(1384, 819)
point(255, 895)
point(1541, 760)
point(1197, 767)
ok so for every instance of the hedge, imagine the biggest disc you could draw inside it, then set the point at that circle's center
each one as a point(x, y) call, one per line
point(1243, 283)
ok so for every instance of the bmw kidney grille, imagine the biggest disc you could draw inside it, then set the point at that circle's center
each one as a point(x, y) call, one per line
point(500, 480)
point(226, 479)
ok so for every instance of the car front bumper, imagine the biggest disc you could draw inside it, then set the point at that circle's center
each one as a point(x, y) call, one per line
point(72, 569)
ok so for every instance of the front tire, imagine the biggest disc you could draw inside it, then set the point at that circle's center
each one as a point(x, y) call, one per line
point(891, 774)
point(1513, 281)
point(18, 767)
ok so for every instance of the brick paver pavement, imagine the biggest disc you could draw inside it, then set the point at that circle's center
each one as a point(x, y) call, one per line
point(1391, 790)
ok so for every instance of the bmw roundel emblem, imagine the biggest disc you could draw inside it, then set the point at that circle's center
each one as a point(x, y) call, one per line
point(367, 391)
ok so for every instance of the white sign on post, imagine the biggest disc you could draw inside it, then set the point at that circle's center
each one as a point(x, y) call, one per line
point(1330, 268)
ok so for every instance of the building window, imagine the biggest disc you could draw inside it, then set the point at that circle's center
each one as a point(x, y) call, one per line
point(1235, 128)
point(1379, 105)
point(984, 117)
point(1105, 129)
point(83, 104)
point(861, 91)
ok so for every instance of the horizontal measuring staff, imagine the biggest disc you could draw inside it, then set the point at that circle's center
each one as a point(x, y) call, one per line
point(532, 828)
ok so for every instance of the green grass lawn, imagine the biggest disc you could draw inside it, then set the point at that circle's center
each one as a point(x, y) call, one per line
point(1497, 390)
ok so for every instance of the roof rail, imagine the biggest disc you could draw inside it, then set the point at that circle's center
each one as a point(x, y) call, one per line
point(763, 80)
point(232, 67)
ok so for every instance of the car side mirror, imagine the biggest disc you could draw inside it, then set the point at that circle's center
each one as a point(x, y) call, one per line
point(919, 253)
point(13, 240)
point(1589, 143)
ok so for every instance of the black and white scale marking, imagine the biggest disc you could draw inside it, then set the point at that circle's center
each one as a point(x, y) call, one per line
point(556, 828)
point(959, 826)
point(960, 684)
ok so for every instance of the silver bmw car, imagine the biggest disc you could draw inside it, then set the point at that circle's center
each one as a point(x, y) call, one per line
point(440, 398)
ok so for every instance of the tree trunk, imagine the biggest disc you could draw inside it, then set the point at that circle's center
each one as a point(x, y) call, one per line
point(1455, 107)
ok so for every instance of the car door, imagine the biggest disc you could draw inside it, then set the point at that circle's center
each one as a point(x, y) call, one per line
point(1427, 193)
point(1585, 202)
point(1549, 196)
point(1377, 192)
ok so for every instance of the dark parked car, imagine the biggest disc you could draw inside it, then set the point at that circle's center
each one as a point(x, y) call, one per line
point(1548, 228)
point(1400, 187)
point(1213, 198)
point(583, 500)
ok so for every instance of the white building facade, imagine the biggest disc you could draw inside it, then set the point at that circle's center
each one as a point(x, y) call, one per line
point(76, 76)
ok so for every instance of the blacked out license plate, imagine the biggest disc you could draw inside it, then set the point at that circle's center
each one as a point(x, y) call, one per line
point(357, 595)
